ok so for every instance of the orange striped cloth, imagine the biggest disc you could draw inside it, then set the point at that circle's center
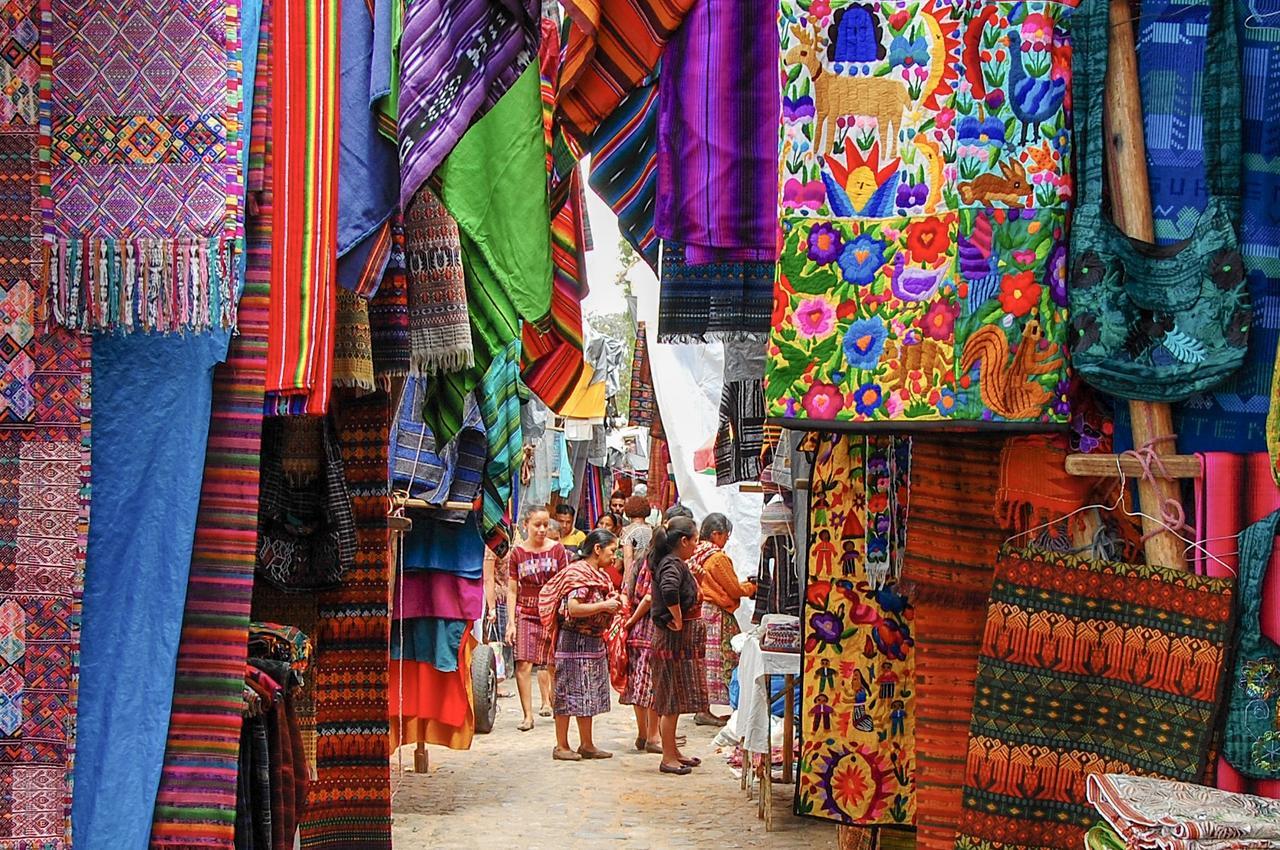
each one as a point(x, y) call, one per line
point(304, 250)
point(951, 546)
point(612, 46)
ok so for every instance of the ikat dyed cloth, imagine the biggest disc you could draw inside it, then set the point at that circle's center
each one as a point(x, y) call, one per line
point(143, 200)
point(857, 709)
point(1086, 667)
point(924, 189)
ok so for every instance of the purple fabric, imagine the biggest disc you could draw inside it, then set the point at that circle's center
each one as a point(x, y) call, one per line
point(443, 595)
point(457, 58)
point(718, 109)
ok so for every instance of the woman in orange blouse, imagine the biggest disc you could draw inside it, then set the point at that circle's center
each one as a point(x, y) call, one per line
point(722, 592)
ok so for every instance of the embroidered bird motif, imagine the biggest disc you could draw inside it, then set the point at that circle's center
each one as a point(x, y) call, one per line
point(913, 284)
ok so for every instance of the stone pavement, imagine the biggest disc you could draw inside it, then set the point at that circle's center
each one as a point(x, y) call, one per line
point(507, 792)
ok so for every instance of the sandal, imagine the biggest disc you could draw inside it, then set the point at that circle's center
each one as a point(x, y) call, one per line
point(525, 725)
point(678, 771)
point(595, 754)
point(545, 711)
point(565, 755)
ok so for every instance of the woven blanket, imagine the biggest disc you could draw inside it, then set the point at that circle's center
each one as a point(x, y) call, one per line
point(1171, 47)
point(1136, 652)
point(424, 469)
point(740, 435)
point(389, 314)
point(1156, 814)
point(304, 253)
point(719, 300)
point(717, 141)
point(624, 168)
point(142, 208)
point(951, 544)
point(644, 407)
point(352, 343)
point(350, 802)
point(439, 331)
point(457, 59)
point(857, 708)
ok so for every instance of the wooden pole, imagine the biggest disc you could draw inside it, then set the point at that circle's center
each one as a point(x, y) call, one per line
point(1131, 210)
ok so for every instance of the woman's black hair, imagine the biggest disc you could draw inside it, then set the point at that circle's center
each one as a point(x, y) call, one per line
point(667, 538)
point(599, 537)
point(677, 511)
point(716, 523)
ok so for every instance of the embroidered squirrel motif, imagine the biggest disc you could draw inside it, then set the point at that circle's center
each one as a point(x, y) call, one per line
point(1012, 188)
point(1007, 388)
point(836, 95)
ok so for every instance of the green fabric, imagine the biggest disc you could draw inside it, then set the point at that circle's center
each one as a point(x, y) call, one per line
point(389, 106)
point(1103, 837)
point(1159, 323)
point(1251, 743)
point(499, 398)
point(494, 184)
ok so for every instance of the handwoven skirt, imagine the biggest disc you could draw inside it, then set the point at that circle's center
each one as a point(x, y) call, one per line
point(639, 689)
point(532, 643)
point(717, 687)
point(679, 669)
point(582, 676)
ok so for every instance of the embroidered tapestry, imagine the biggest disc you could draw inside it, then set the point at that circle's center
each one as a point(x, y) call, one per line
point(951, 545)
point(857, 709)
point(1166, 815)
point(924, 189)
point(142, 208)
point(1086, 667)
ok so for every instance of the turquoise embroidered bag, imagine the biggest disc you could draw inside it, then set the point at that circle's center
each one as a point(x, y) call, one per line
point(1251, 743)
point(1159, 322)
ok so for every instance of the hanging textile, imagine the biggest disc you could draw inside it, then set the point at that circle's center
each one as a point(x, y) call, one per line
point(368, 171)
point(423, 469)
point(951, 544)
point(433, 706)
point(304, 117)
point(857, 708)
point(740, 436)
point(923, 291)
point(142, 211)
point(1140, 649)
point(439, 330)
point(352, 343)
point(350, 801)
point(644, 407)
point(458, 58)
point(551, 356)
point(716, 300)
point(717, 136)
point(500, 409)
point(389, 315)
point(1171, 46)
point(624, 168)
point(1162, 815)
point(507, 262)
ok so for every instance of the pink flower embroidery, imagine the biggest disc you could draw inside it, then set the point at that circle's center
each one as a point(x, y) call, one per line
point(815, 317)
point(822, 401)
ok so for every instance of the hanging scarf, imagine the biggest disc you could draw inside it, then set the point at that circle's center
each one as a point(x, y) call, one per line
point(439, 331)
point(389, 315)
point(719, 300)
point(304, 239)
point(1035, 487)
point(353, 344)
point(624, 168)
point(458, 58)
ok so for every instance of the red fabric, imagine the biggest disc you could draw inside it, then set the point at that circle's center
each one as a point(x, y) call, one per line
point(615, 644)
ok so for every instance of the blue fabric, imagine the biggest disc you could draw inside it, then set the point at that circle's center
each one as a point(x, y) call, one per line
point(431, 640)
point(368, 167)
point(445, 547)
point(1232, 417)
point(251, 22)
point(421, 469)
point(151, 403)
point(565, 478)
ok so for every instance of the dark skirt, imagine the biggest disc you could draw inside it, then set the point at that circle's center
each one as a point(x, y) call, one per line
point(639, 689)
point(582, 676)
point(532, 642)
point(679, 669)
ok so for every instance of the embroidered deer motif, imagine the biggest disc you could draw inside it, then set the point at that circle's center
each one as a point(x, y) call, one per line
point(836, 95)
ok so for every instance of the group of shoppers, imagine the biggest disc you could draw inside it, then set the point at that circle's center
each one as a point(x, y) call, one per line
point(676, 591)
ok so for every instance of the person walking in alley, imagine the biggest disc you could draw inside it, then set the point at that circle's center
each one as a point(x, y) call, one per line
point(533, 563)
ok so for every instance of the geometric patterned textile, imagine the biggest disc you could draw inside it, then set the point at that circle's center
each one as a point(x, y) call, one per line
point(142, 206)
point(857, 708)
point(1086, 667)
point(350, 801)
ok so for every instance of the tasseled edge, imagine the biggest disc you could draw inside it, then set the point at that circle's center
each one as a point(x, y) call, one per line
point(424, 365)
point(141, 285)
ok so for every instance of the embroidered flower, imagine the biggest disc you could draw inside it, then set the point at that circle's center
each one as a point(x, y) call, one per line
point(1056, 273)
point(824, 243)
point(864, 343)
point(1019, 293)
point(1087, 332)
point(946, 403)
point(981, 131)
point(1237, 333)
point(927, 240)
point(867, 398)
point(904, 52)
point(797, 109)
point(1226, 268)
point(1037, 31)
point(995, 100)
point(899, 19)
point(815, 317)
point(861, 259)
point(1155, 325)
point(1088, 270)
point(822, 401)
point(939, 321)
point(1062, 397)
point(811, 195)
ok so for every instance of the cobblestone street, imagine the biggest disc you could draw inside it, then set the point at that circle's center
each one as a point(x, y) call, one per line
point(507, 792)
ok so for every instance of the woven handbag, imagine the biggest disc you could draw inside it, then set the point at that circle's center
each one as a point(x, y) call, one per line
point(1159, 323)
point(1252, 740)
